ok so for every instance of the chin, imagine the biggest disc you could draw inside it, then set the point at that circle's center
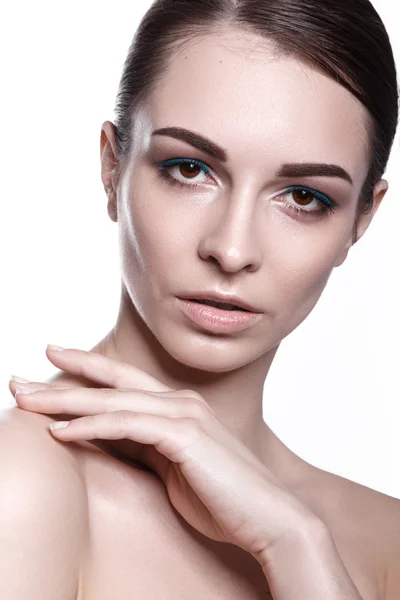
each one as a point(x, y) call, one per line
point(208, 363)
point(211, 353)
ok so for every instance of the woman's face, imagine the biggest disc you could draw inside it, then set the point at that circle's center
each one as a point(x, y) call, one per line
point(234, 226)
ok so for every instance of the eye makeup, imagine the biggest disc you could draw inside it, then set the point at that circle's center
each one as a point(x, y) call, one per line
point(164, 168)
point(326, 206)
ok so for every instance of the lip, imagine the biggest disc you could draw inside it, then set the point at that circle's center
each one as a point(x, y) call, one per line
point(218, 320)
point(226, 298)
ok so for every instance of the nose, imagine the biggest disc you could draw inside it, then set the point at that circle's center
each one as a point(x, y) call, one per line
point(232, 239)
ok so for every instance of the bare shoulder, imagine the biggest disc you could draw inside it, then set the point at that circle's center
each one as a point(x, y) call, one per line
point(31, 444)
point(34, 461)
point(365, 523)
point(43, 510)
point(356, 503)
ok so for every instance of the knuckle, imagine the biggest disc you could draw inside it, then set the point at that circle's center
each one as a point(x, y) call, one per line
point(193, 394)
point(108, 399)
point(115, 379)
point(198, 411)
point(124, 419)
point(199, 406)
point(93, 424)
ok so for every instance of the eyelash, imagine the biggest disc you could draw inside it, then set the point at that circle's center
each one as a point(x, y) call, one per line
point(327, 205)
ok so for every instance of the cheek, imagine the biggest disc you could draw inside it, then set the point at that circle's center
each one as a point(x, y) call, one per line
point(302, 266)
point(154, 233)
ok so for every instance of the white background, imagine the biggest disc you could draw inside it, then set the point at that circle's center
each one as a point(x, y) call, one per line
point(333, 392)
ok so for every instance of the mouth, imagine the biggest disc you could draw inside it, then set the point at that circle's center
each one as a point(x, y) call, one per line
point(221, 305)
point(221, 301)
point(219, 317)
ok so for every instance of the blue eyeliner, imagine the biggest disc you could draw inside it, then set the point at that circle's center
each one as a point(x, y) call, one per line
point(328, 205)
point(315, 193)
point(175, 161)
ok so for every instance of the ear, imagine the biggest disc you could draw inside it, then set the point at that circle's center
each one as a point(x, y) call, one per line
point(380, 189)
point(109, 163)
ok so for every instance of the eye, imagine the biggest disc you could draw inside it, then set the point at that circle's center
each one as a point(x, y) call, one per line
point(187, 168)
point(190, 168)
point(321, 205)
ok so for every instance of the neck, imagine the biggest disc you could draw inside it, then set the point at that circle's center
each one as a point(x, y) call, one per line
point(235, 396)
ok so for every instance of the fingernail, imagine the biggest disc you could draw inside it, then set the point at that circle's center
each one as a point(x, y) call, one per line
point(18, 379)
point(55, 348)
point(59, 424)
point(25, 391)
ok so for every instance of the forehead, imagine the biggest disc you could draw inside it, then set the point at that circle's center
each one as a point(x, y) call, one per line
point(237, 90)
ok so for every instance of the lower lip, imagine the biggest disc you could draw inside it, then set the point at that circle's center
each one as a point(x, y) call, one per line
point(218, 320)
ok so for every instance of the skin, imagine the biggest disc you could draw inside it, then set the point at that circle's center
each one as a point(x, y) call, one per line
point(232, 234)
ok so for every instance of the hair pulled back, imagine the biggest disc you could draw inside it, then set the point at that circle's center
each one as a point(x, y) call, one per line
point(346, 39)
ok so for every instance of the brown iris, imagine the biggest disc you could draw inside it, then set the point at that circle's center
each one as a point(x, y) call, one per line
point(303, 197)
point(187, 168)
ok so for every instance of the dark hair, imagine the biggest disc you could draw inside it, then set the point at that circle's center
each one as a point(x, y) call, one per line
point(346, 39)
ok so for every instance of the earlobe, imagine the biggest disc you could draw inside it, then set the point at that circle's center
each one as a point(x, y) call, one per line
point(112, 207)
point(342, 257)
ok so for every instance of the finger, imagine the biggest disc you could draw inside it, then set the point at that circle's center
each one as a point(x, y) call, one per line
point(170, 437)
point(92, 401)
point(38, 385)
point(104, 370)
point(13, 385)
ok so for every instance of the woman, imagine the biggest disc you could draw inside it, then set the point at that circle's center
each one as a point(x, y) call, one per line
point(245, 161)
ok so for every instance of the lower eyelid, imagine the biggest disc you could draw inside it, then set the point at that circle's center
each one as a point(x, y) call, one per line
point(165, 166)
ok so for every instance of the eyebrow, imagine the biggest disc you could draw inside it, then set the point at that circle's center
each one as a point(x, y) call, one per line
point(286, 170)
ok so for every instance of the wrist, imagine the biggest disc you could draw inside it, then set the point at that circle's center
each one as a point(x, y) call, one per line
point(302, 565)
point(300, 534)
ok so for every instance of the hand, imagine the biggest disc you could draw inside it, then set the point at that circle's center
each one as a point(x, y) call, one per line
point(213, 480)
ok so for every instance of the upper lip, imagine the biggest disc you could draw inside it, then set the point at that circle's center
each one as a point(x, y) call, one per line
point(226, 298)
